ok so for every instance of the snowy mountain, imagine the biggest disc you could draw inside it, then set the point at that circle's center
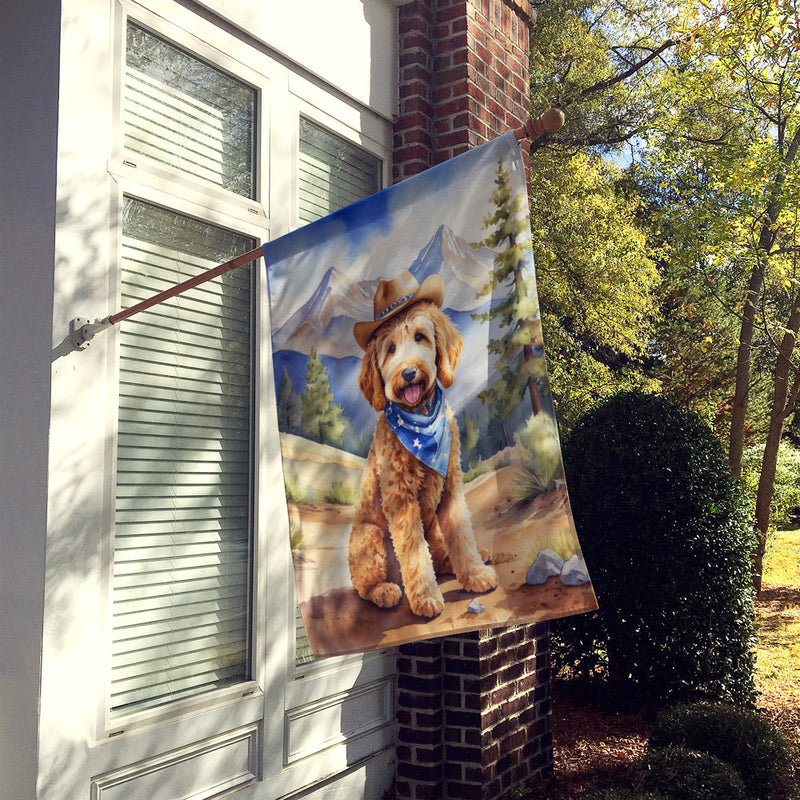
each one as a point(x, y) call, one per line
point(464, 269)
point(326, 320)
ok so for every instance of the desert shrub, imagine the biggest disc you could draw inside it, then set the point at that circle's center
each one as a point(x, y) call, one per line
point(667, 541)
point(540, 457)
point(341, 495)
point(295, 493)
point(741, 738)
point(683, 774)
point(296, 538)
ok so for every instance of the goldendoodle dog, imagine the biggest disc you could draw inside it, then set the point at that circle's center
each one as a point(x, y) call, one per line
point(412, 490)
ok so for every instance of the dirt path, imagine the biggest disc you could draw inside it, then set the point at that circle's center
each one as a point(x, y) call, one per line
point(338, 621)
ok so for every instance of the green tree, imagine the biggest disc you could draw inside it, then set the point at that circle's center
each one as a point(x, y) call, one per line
point(726, 149)
point(520, 368)
point(289, 406)
point(598, 60)
point(321, 417)
point(597, 281)
point(469, 441)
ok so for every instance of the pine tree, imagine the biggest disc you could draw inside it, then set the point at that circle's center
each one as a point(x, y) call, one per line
point(289, 406)
point(518, 313)
point(321, 418)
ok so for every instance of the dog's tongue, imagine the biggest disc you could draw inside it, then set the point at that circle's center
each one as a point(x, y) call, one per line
point(411, 393)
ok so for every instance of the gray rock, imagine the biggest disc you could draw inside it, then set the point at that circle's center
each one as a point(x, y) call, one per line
point(575, 572)
point(547, 564)
point(475, 607)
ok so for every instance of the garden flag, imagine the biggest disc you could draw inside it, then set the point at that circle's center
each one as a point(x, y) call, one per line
point(421, 460)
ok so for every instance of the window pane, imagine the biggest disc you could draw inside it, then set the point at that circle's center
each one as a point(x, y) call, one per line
point(333, 173)
point(185, 113)
point(182, 542)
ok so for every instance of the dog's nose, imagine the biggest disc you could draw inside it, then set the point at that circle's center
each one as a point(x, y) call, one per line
point(409, 373)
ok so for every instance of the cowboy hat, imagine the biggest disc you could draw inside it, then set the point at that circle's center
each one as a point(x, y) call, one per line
point(391, 297)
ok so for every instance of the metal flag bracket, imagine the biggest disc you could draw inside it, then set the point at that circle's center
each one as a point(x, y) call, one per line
point(82, 330)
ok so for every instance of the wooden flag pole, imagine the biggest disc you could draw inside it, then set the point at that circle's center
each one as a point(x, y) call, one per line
point(82, 331)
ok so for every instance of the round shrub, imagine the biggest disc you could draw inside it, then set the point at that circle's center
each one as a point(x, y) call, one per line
point(682, 774)
point(741, 738)
point(667, 540)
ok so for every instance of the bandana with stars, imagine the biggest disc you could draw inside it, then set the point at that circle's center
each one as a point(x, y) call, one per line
point(426, 436)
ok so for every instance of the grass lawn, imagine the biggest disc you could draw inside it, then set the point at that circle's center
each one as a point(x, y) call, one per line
point(779, 616)
point(778, 629)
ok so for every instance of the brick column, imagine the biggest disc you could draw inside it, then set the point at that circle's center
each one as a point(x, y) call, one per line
point(473, 714)
point(473, 711)
point(463, 77)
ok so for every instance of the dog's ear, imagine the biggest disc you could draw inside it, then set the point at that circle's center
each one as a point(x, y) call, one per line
point(370, 381)
point(448, 348)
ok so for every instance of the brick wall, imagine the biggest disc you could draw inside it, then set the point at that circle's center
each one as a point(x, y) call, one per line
point(473, 714)
point(473, 711)
point(463, 77)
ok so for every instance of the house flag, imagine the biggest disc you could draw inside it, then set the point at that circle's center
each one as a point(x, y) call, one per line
point(421, 461)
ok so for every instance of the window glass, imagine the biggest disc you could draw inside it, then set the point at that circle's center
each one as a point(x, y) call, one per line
point(333, 172)
point(187, 114)
point(182, 542)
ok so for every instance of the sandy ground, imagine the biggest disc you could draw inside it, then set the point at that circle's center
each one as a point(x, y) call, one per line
point(338, 621)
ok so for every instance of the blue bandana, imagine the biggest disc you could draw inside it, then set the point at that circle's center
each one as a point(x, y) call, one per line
point(426, 436)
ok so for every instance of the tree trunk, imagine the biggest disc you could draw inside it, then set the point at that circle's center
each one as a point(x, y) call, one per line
point(766, 240)
point(784, 400)
point(742, 389)
point(533, 387)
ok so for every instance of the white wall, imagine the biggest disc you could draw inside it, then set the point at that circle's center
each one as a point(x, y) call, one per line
point(29, 56)
point(331, 39)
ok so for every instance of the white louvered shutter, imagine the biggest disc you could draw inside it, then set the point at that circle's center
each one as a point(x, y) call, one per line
point(181, 593)
point(182, 544)
point(333, 173)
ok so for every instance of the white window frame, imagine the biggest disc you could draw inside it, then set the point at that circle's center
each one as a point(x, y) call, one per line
point(280, 695)
point(137, 177)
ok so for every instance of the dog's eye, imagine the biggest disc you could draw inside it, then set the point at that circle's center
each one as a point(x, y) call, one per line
point(419, 337)
point(391, 349)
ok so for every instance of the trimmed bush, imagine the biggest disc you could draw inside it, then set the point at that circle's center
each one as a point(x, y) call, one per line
point(667, 541)
point(683, 774)
point(741, 738)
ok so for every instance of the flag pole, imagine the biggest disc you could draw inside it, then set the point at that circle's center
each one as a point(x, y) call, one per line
point(82, 331)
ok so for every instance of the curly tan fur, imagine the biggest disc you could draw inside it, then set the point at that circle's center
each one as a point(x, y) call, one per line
point(424, 514)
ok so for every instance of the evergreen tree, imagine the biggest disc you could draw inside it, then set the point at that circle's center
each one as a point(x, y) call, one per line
point(469, 442)
point(518, 314)
point(289, 406)
point(321, 418)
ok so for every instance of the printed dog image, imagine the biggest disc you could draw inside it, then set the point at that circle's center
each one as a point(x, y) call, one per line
point(412, 490)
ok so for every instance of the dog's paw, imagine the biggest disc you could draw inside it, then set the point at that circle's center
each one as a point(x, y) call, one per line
point(429, 605)
point(385, 595)
point(480, 580)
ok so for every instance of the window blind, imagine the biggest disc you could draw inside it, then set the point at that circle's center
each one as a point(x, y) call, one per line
point(333, 173)
point(187, 114)
point(182, 541)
